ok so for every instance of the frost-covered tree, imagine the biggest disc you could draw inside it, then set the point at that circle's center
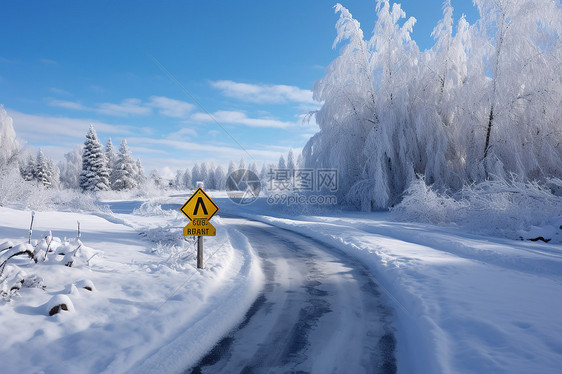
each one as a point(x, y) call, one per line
point(177, 182)
point(195, 174)
point(157, 179)
point(95, 174)
point(291, 163)
point(281, 164)
point(349, 110)
point(253, 168)
point(300, 161)
point(204, 174)
point(70, 169)
point(111, 159)
point(231, 168)
point(140, 177)
point(124, 171)
point(27, 170)
point(220, 178)
point(44, 170)
point(186, 181)
point(9, 146)
point(484, 102)
point(211, 182)
point(519, 126)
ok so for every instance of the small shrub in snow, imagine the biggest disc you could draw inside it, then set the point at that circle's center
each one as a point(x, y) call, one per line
point(86, 284)
point(493, 206)
point(59, 303)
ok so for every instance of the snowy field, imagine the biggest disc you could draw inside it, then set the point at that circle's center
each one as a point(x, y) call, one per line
point(148, 302)
point(464, 303)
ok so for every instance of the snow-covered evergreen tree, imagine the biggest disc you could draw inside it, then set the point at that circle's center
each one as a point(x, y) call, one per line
point(140, 177)
point(204, 174)
point(281, 164)
point(111, 160)
point(220, 178)
point(186, 181)
point(291, 163)
point(178, 180)
point(124, 172)
point(300, 161)
point(195, 174)
point(231, 168)
point(95, 174)
point(44, 170)
point(28, 169)
point(211, 182)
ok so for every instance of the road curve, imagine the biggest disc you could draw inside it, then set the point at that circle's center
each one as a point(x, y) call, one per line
point(319, 312)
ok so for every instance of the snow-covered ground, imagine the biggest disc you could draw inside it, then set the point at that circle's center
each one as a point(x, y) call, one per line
point(465, 303)
point(148, 303)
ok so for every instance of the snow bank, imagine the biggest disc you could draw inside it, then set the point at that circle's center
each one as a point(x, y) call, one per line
point(507, 208)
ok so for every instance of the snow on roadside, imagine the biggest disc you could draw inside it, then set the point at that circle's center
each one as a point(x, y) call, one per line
point(465, 303)
point(149, 308)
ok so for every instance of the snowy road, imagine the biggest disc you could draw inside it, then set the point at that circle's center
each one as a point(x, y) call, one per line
point(319, 312)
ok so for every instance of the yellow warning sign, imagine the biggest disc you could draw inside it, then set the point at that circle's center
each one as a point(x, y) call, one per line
point(199, 206)
point(199, 227)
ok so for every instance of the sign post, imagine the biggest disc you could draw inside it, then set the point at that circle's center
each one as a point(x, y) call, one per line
point(199, 208)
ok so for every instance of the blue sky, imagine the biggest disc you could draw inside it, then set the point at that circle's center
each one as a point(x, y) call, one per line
point(252, 64)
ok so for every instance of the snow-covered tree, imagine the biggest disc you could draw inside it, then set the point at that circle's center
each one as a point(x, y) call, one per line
point(231, 168)
point(124, 172)
point(300, 161)
point(204, 174)
point(291, 163)
point(349, 110)
point(195, 174)
point(281, 164)
point(95, 174)
point(220, 178)
point(70, 169)
point(186, 180)
point(44, 170)
point(519, 112)
point(177, 182)
point(9, 146)
point(111, 159)
point(484, 102)
point(211, 182)
point(140, 177)
point(157, 179)
point(28, 169)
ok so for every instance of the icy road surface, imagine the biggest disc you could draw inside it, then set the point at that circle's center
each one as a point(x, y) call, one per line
point(319, 312)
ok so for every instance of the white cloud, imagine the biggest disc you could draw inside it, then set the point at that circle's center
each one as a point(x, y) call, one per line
point(59, 91)
point(125, 108)
point(182, 133)
point(68, 104)
point(171, 107)
point(37, 128)
point(262, 93)
point(217, 152)
point(133, 107)
point(48, 61)
point(240, 118)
